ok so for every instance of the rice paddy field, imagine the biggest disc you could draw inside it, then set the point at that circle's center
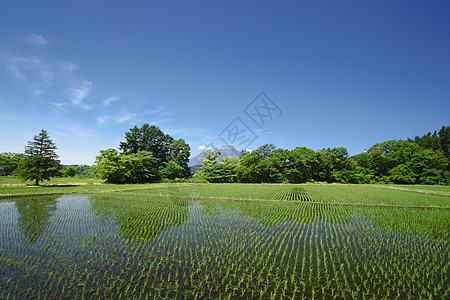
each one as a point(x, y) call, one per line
point(224, 241)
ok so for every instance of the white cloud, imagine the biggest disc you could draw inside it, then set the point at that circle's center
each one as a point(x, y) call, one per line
point(108, 100)
point(36, 39)
point(185, 131)
point(118, 119)
point(59, 104)
point(157, 122)
point(37, 75)
point(29, 68)
point(68, 66)
point(79, 93)
point(41, 77)
point(102, 119)
point(125, 117)
point(201, 147)
point(39, 91)
point(14, 65)
point(156, 111)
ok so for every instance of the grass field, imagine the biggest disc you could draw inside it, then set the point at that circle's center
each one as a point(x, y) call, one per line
point(386, 195)
point(223, 241)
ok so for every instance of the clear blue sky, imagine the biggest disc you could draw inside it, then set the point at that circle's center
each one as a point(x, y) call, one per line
point(341, 73)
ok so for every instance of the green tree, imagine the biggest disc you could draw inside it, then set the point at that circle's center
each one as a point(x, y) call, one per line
point(406, 162)
point(177, 158)
point(228, 169)
point(265, 164)
point(69, 171)
point(41, 161)
point(163, 147)
point(10, 161)
point(137, 167)
point(220, 172)
point(300, 165)
point(140, 167)
point(107, 166)
point(147, 155)
point(83, 170)
point(209, 170)
point(383, 157)
point(172, 170)
point(332, 164)
point(444, 137)
point(147, 138)
point(436, 141)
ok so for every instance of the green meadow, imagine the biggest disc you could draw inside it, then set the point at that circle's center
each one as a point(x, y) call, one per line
point(81, 239)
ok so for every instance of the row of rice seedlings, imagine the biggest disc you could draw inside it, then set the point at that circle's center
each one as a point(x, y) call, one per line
point(373, 195)
point(344, 266)
point(217, 249)
point(429, 221)
point(294, 194)
point(338, 194)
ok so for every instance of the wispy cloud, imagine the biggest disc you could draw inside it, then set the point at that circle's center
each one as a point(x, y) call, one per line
point(159, 110)
point(40, 76)
point(122, 118)
point(108, 100)
point(59, 104)
point(125, 117)
point(38, 91)
point(158, 122)
point(68, 66)
point(102, 119)
point(185, 131)
point(37, 75)
point(79, 93)
point(36, 39)
point(29, 68)
point(14, 63)
point(48, 76)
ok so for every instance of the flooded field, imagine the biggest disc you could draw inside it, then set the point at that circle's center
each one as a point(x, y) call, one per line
point(124, 246)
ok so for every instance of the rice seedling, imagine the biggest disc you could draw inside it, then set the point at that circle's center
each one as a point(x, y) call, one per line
point(289, 244)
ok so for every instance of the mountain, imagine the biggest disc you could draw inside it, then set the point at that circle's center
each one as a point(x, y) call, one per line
point(225, 151)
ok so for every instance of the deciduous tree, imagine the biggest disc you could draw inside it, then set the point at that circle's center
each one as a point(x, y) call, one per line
point(163, 147)
point(139, 167)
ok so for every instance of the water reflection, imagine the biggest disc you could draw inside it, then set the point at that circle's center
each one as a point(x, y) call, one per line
point(141, 218)
point(34, 214)
point(167, 245)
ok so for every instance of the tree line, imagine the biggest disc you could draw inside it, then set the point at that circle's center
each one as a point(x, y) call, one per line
point(18, 163)
point(422, 160)
point(146, 155)
point(149, 155)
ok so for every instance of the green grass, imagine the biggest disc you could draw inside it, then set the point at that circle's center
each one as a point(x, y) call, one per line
point(328, 194)
point(378, 195)
point(11, 186)
point(13, 180)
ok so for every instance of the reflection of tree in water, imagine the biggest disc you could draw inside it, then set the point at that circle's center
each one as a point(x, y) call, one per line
point(142, 217)
point(34, 214)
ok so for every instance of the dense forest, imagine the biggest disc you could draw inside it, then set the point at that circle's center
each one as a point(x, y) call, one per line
point(422, 160)
point(149, 155)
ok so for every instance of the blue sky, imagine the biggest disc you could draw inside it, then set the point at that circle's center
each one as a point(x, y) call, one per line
point(332, 73)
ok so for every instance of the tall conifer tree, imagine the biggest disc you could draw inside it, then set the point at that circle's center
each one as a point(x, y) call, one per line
point(40, 161)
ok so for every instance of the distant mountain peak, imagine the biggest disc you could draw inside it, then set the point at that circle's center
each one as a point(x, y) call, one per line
point(225, 151)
